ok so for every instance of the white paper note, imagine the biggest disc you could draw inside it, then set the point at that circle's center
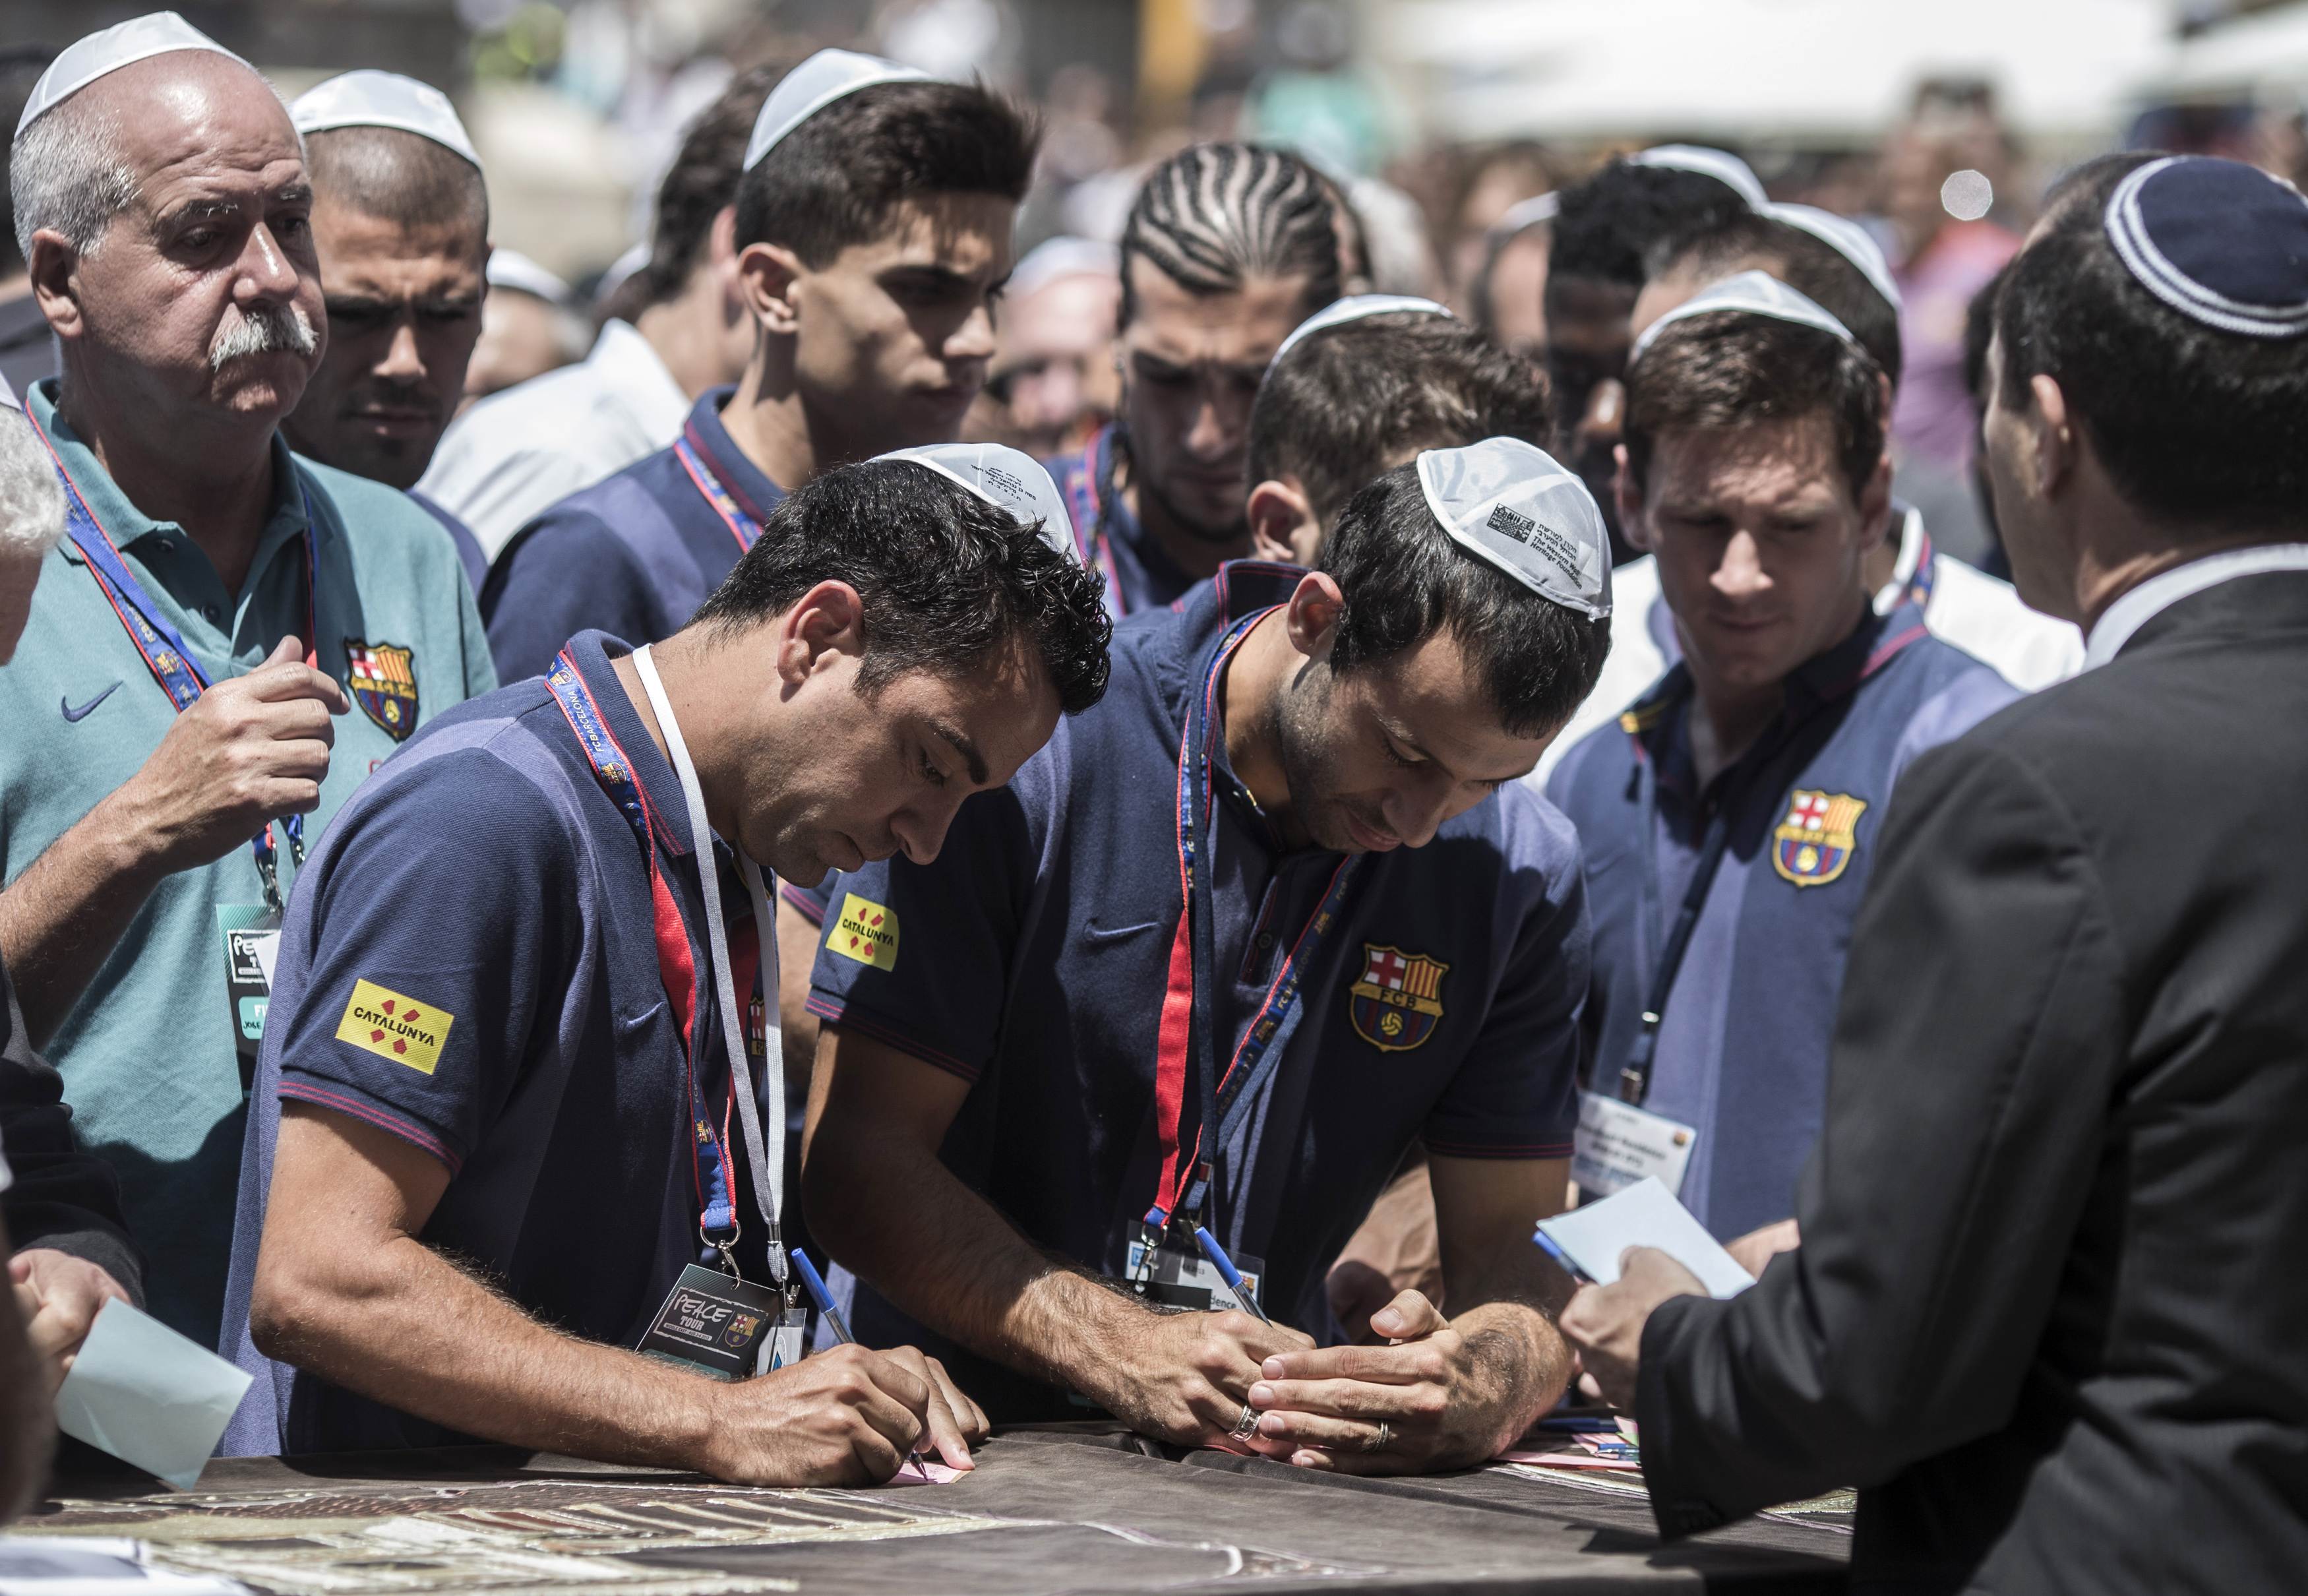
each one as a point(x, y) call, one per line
point(1644, 1214)
point(93, 1565)
point(149, 1397)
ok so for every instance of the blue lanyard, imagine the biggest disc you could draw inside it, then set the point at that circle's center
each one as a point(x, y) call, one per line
point(1188, 1028)
point(742, 526)
point(1089, 489)
point(163, 649)
point(713, 1173)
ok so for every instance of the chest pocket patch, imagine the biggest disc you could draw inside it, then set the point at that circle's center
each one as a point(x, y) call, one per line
point(1397, 1003)
point(1814, 843)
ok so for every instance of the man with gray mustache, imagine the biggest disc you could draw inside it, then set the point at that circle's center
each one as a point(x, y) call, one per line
point(228, 637)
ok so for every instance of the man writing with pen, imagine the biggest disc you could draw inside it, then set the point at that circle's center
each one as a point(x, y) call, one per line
point(1275, 909)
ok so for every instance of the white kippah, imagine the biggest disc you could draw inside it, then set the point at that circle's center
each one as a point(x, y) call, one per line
point(85, 60)
point(1752, 293)
point(814, 85)
point(1511, 503)
point(1005, 479)
point(1062, 256)
point(1848, 239)
point(1721, 165)
point(370, 99)
point(8, 400)
point(511, 269)
point(1354, 307)
point(1525, 214)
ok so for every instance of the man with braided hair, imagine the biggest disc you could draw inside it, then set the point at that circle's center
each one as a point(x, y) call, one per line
point(1228, 249)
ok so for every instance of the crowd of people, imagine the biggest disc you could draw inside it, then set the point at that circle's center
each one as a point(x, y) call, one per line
point(1163, 872)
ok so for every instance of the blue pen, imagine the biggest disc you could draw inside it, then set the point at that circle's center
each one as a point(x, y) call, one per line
point(820, 1296)
point(1547, 1244)
point(825, 1301)
point(1228, 1273)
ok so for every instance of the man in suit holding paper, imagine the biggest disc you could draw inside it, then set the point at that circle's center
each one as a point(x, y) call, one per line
point(2044, 1313)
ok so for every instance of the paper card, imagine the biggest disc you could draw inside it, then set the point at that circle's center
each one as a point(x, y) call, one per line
point(1644, 1214)
point(149, 1397)
point(925, 1470)
point(96, 1565)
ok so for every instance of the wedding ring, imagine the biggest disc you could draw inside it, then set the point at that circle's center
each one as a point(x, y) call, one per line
point(1247, 1424)
point(1383, 1439)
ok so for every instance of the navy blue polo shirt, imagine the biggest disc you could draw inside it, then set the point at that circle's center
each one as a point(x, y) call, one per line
point(483, 892)
point(634, 555)
point(1030, 961)
point(1742, 1044)
point(1139, 573)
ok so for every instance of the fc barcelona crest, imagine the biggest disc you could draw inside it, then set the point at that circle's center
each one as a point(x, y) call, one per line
point(1818, 838)
point(384, 680)
point(1399, 1001)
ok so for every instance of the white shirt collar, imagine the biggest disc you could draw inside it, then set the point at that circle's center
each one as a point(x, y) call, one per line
point(2150, 599)
point(1903, 569)
point(630, 367)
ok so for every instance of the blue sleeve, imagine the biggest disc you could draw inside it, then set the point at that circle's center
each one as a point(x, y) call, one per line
point(1516, 1094)
point(565, 573)
point(918, 956)
point(440, 926)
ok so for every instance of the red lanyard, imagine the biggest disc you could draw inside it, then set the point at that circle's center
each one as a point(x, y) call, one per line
point(1188, 1020)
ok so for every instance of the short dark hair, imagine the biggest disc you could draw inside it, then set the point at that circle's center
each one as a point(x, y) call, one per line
point(701, 180)
point(1213, 215)
point(1609, 226)
point(1730, 368)
point(1340, 405)
point(947, 579)
point(1806, 263)
point(836, 180)
point(1405, 579)
point(2195, 425)
point(398, 176)
point(19, 70)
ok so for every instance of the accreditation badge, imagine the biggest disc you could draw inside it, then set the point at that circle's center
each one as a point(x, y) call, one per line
point(724, 1328)
point(1173, 1277)
point(1619, 1144)
point(252, 945)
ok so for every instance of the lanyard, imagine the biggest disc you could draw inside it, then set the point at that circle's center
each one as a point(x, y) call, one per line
point(1188, 1024)
point(1926, 573)
point(165, 655)
point(1635, 1075)
point(742, 526)
point(1090, 490)
point(676, 969)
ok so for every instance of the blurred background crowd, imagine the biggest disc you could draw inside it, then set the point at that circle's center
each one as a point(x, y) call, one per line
point(1443, 122)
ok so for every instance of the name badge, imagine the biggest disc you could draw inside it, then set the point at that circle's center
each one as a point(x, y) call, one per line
point(1619, 1144)
point(1187, 1279)
point(724, 1328)
point(252, 945)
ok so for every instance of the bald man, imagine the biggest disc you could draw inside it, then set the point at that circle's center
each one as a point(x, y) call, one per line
point(227, 640)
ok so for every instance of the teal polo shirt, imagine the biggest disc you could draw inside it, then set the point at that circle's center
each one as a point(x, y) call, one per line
point(148, 1053)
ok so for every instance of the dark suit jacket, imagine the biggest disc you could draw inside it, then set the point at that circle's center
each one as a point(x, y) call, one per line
point(2051, 1310)
point(64, 1196)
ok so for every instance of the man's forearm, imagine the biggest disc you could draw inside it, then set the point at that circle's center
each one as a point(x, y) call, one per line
point(397, 1322)
point(60, 919)
point(943, 1255)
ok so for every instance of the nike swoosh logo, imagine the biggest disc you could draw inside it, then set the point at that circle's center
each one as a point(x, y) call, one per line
point(85, 709)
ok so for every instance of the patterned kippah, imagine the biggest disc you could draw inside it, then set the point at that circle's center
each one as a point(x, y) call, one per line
point(2219, 241)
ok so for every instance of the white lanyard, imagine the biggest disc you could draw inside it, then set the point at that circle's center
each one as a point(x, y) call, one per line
point(766, 1162)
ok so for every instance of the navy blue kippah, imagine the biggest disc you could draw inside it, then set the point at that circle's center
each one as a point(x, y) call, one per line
point(2217, 240)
